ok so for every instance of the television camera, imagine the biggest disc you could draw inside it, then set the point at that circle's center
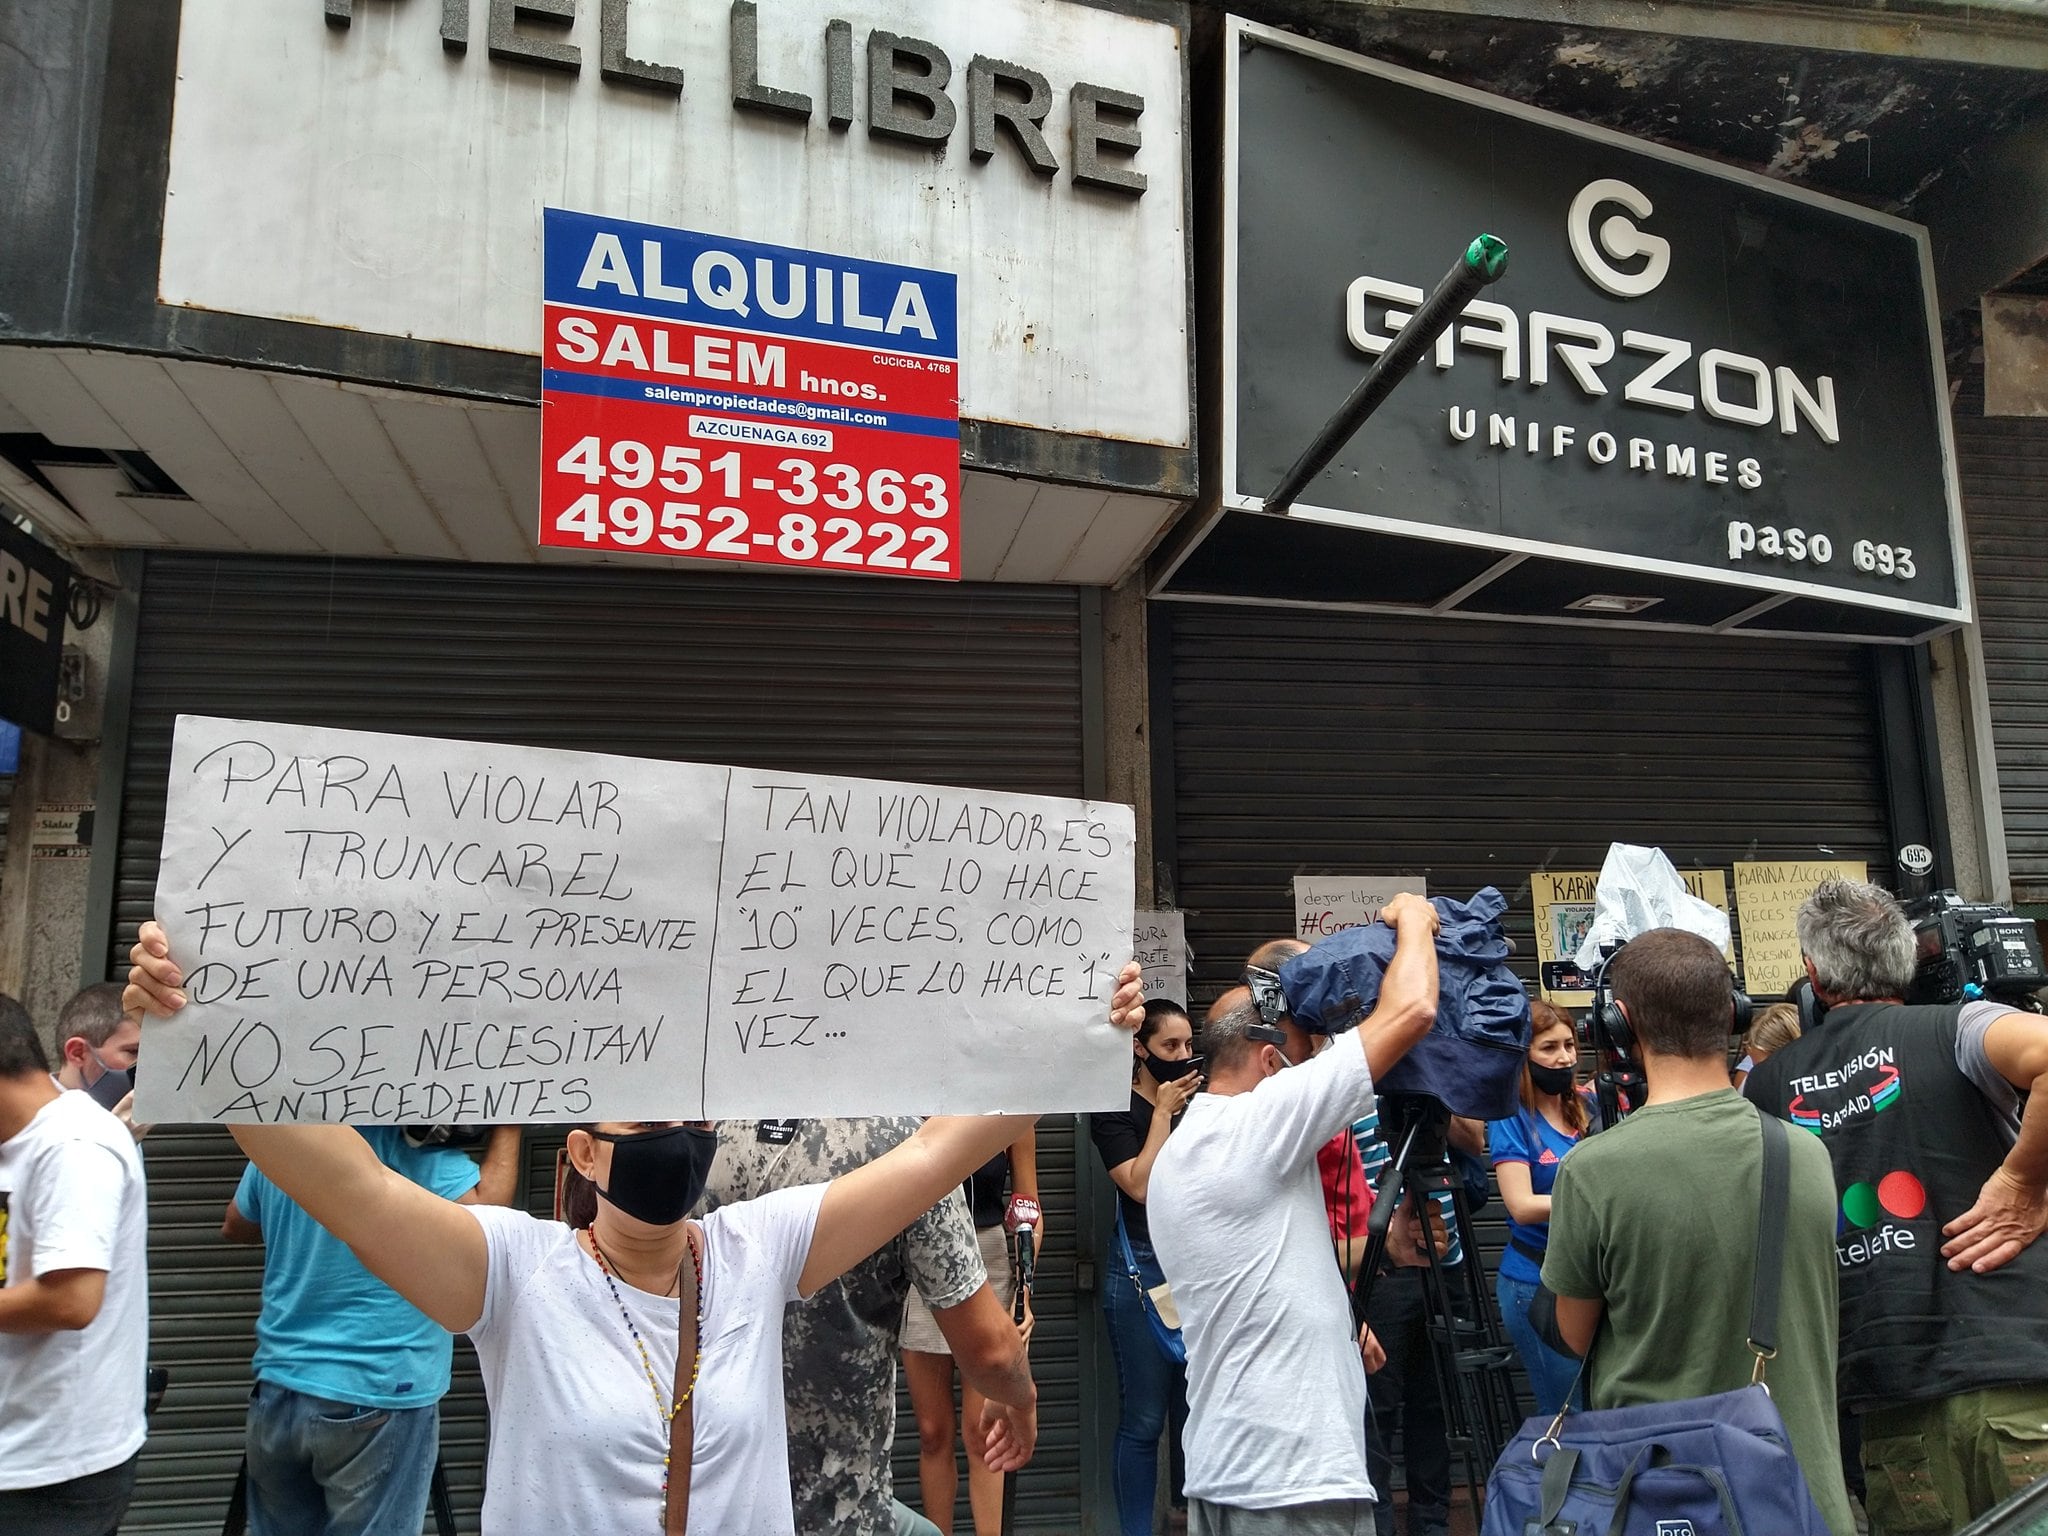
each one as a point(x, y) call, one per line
point(1967, 950)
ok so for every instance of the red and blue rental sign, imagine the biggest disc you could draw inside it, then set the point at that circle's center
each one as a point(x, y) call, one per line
point(728, 400)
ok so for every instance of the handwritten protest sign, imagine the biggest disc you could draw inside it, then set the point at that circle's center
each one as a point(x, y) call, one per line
point(1160, 940)
point(391, 929)
point(1564, 911)
point(1767, 898)
point(1326, 904)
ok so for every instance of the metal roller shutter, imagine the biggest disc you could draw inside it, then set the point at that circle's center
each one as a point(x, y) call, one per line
point(973, 685)
point(1310, 743)
point(1474, 753)
point(2003, 464)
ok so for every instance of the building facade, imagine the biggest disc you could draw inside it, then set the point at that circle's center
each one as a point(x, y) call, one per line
point(271, 355)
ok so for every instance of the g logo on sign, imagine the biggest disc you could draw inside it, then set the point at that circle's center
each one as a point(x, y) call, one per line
point(1616, 240)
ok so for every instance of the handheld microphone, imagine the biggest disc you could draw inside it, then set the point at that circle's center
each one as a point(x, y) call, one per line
point(1021, 1223)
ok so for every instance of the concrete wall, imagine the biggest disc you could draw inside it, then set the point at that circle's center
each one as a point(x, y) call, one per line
point(43, 901)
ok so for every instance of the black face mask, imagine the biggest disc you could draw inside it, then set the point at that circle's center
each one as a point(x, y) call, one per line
point(657, 1176)
point(1169, 1071)
point(1551, 1080)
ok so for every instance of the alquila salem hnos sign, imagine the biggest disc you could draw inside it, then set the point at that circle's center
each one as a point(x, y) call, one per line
point(1686, 369)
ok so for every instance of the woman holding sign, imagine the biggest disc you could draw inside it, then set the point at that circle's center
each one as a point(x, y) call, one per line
point(633, 1367)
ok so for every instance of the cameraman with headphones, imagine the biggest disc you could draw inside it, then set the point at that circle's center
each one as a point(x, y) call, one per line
point(1653, 1222)
point(1943, 1182)
point(1276, 1391)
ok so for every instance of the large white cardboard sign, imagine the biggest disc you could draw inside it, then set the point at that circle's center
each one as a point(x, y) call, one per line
point(393, 929)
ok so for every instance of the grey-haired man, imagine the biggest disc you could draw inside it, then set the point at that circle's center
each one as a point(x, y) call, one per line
point(1943, 1179)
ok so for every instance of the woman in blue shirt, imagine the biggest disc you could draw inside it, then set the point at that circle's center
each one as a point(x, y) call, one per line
point(1526, 1149)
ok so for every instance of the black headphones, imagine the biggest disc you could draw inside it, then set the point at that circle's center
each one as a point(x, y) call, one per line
point(1269, 1000)
point(1612, 1029)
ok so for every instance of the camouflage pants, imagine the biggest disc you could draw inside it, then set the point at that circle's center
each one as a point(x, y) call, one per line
point(1935, 1466)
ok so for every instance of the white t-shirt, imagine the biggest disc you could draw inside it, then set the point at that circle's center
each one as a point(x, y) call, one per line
point(576, 1439)
point(71, 1401)
point(1276, 1389)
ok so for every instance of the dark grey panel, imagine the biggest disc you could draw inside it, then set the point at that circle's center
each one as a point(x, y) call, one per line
point(2003, 462)
point(1807, 616)
point(1248, 554)
point(975, 685)
point(1544, 588)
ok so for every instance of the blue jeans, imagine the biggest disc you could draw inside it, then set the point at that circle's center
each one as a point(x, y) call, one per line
point(323, 1468)
point(1151, 1389)
point(1550, 1374)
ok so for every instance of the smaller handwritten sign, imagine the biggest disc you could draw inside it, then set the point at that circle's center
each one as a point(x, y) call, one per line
point(1327, 904)
point(1564, 911)
point(1767, 898)
point(1160, 940)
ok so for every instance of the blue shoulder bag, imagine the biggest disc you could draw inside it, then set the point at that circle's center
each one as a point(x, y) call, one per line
point(1171, 1344)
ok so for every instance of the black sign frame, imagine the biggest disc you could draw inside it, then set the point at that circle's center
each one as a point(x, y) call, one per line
point(1813, 605)
point(35, 584)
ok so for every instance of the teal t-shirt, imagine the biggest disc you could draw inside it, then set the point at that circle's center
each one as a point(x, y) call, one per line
point(1657, 1218)
point(329, 1328)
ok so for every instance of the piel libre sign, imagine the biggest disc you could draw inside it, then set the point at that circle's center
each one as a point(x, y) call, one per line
point(35, 594)
point(729, 400)
point(381, 166)
point(1687, 370)
point(394, 929)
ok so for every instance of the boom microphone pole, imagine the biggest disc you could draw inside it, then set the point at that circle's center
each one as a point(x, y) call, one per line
point(1484, 261)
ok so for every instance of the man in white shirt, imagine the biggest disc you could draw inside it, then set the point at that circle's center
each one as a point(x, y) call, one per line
point(1276, 1388)
point(74, 1300)
point(97, 1044)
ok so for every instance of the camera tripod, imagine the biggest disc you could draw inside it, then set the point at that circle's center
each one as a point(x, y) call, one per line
point(1471, 1359)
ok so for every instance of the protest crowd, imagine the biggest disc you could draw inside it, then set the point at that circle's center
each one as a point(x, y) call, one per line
point(708, 1338)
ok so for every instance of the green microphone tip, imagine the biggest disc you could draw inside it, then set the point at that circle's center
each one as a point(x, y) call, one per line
point(1488, 256)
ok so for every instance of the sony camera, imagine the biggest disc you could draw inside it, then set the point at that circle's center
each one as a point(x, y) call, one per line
point(1968, 950)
